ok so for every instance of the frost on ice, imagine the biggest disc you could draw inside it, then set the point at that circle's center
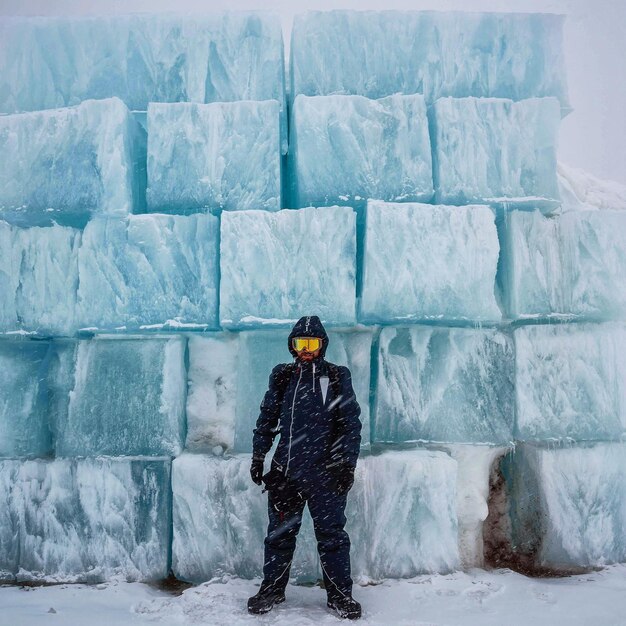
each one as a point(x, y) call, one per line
point(495, 150)
point(379, 53)
point(70, 164)
point(568, 504)
point(569, 381)
point(429, 262)
point(148, 270)
point(570, 264)
point(347, 147)
point(85, 520)
point(212, 391)
point(38, 279)
point(444, 384)
point(128, 398)
point(213, 156)
point(292, 261)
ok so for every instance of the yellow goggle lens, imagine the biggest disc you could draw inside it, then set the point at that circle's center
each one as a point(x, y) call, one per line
point(310, 343)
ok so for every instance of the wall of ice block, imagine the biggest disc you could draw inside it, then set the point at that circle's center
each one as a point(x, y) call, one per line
point(162, 231)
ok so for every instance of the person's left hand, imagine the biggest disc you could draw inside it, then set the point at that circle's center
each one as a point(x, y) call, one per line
point(343, 476)
point(256, 470)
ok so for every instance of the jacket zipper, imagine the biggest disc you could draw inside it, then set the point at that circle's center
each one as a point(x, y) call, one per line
point(293, 404)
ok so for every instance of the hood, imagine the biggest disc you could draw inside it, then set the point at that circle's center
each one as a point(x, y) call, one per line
point(309, 326)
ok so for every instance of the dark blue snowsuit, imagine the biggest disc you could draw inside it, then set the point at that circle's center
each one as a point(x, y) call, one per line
point(317, 417)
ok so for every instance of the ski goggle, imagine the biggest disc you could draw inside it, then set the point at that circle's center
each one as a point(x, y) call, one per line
point(310, 343)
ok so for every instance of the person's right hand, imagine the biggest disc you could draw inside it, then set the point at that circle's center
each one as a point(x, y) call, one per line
point(256, 470)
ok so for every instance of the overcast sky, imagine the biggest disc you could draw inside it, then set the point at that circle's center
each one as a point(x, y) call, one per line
point(593, 137)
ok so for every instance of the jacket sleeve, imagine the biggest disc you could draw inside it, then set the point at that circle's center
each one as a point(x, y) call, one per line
point(267, 422)
point(347, 442)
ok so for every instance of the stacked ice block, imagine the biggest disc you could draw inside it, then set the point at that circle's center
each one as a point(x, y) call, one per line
point(161, 233)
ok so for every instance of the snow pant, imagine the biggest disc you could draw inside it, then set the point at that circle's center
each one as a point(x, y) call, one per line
point(333, 544)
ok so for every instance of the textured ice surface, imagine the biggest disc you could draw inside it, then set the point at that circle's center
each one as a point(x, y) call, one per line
point(220, 57)
point(474, 469)
point(24, 429)
point(148, 270)
point(60, 380)
point(128, 398)
point(444, 384)
point(277, 266)
point(220, 518)
point(495, 150)
point(347, 148)
point(429, 262)
point(38, 278)
point(86, 520)
point(568, 504)
point(377, 54)
point(212, 379)
point(69, 164)
point(260, 351)
point(215, 156)
point(9, 521)
point(574, 263)
point(570, 381)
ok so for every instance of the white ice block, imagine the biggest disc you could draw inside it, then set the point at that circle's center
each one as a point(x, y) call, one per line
point(569, 505)
point(38, 279)
point(344, 149)
point(444, 384)
point(429, 262)
point(213, 156)
point(379, 53)
point(87, 520)
point(128, 398)
point(260, 351)
point(24, 426)
point(277, 266)
point(570, 264)
point(212, 392)
point(216, 57)
point(220, 518)
point(149, 271)
point(475, 464)
point(69, 164)
point(570, 381)
point(493, 150)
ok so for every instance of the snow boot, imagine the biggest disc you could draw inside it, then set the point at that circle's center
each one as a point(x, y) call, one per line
point(265, 599)
point(345, 606)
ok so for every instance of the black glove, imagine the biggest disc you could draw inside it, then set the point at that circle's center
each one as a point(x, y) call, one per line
point(342, 473)
point(256, 469)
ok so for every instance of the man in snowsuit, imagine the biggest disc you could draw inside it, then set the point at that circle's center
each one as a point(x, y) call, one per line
point(312, 404)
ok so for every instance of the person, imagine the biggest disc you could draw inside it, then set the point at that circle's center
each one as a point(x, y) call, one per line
point(312, 404)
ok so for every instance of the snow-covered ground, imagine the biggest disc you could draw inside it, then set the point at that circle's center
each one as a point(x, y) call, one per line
point(499, 597)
